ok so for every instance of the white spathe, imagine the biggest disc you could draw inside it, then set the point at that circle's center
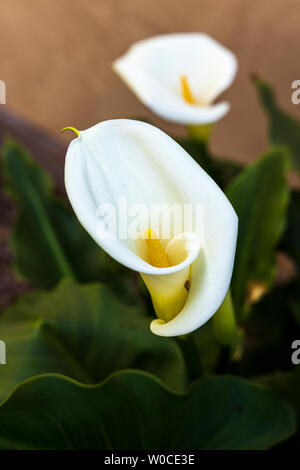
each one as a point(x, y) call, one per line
point(132, 159)
point(153, 68)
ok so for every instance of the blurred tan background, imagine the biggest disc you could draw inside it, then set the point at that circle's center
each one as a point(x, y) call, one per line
point(56, 59)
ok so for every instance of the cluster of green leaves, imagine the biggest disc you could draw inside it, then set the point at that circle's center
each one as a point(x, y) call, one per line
point(83, 369)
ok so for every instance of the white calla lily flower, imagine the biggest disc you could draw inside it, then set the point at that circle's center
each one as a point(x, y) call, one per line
point(178, 76)
point(187, 274)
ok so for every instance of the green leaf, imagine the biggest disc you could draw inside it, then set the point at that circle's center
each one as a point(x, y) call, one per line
point(133, 410)
point(283, 128)
point(47, 241)
point(84, 332)
point(260, 196)
point(40, 257)
point(287, 384)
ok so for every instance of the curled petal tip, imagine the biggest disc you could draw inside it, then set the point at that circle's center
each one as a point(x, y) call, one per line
point(69, 128)
point(155, 324)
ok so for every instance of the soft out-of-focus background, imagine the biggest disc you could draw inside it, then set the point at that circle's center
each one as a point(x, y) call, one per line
point(56, 59)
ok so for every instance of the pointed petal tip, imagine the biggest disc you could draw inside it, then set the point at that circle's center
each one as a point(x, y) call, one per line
point(70, 128)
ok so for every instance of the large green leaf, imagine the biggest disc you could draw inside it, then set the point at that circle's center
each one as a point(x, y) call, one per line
point(39, 254)
point(133, 410)
point(288, 385)
point(47, 240)
point(84, 332)
point(260, 196)
point(283, 128)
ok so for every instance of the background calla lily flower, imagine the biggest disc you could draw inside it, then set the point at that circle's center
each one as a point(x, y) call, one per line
point(129, 158)
point(178, 76)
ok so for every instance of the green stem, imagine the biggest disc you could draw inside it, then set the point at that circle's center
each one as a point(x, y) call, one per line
point(224, 324)
point(200, 133)
point(190, 354)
